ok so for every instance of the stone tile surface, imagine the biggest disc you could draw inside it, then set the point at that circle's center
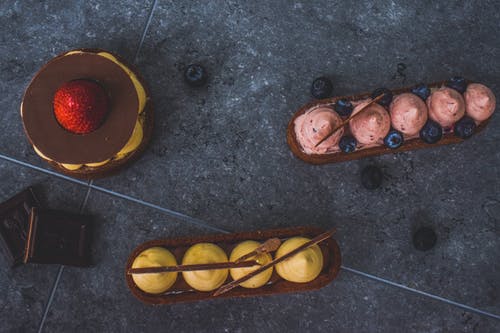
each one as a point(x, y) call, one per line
point(219, 152)
point(40, 30)
point(25, 289)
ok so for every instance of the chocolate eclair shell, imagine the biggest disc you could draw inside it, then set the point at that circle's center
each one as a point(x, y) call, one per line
point(62, 146)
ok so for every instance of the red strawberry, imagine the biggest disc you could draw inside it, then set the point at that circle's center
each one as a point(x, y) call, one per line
point(80, 106)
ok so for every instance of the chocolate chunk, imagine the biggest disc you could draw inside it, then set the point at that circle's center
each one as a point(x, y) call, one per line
point(14, 223)
point(57, 237)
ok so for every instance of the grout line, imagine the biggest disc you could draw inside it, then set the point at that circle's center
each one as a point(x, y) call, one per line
point(203, 224)
point(170, 212)
point(90, 184)
point(144, 32)
point(61, 267)
point(423, 293)
point(51, 297)
point(37, 168)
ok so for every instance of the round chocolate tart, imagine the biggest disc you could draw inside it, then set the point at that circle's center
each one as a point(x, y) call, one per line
point(100, 152)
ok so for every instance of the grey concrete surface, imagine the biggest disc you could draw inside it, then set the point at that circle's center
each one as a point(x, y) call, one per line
point(219, 154)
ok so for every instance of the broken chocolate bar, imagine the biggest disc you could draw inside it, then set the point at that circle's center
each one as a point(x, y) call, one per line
point(14, 222)
point(57, 237)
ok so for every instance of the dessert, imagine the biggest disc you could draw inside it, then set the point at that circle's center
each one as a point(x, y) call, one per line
point(239, 251)
point(154, 283)
point(480, 102)
point(205, 253)
point(14, 224)
point(387, 121)
point(303, 267)
point(235, 244)
point(87, 113)
point(446, 106)
point(57, 237)
point(408, 113)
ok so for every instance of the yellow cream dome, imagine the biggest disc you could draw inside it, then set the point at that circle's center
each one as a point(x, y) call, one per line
point(154, 283)
point(205, 253)
point(303, 267)
point(260, 279)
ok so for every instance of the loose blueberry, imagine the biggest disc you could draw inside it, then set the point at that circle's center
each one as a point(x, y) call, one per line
point(464, 128)
point(422, 91)
point(343, 107)
point(347, 144)
point(424, 239)
point(371, 177)
point(431, 132)
point(321, 87)
point(394, 139)
point(386, 100)
point(458, 83)
point(195, 75)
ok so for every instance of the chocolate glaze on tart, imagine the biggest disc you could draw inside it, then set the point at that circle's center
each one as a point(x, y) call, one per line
point(410, 144)
point(61, 146)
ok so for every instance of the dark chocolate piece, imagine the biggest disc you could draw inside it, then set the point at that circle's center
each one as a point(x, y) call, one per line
point(62, 146)
point(57, 237)
point(14, 223)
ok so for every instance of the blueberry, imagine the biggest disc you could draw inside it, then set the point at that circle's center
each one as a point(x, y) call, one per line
point(424, 239)
point(321, 87)
point(464, 128)
point(371, 177)
point(394, 139)
point(422, 91)
point(386, 100)
point(347, 144)
point(195, 75)
point(431, 132)
point(343, 107)
point(458, 83)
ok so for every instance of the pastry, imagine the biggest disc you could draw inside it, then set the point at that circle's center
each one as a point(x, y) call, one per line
point(87, 113)
point(154, 283)
point(303, 267)
point(215, 247)
point(242, 249)
point(398, 120)
point(205, 253)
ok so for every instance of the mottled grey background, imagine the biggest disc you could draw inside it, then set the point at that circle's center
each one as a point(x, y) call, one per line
point(219, 155)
